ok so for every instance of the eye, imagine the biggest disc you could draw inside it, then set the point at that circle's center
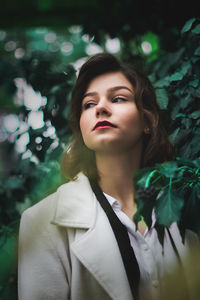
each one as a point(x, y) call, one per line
point(88, 105)
point(118, 99)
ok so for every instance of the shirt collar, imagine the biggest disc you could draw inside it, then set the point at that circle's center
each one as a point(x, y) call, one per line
point(113, 202)
point(116, 205)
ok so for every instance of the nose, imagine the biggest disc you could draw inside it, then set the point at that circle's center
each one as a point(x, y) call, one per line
point(102, 108)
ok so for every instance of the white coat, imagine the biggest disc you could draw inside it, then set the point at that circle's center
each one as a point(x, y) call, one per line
point(67, 249)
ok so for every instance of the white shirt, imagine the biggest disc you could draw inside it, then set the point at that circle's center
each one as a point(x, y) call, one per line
point(148, 251)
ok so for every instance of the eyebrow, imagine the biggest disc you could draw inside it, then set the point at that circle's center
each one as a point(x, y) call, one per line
point(113, 89)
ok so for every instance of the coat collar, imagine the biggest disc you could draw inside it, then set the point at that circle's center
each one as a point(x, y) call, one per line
point(75, 205)
point(96, 248)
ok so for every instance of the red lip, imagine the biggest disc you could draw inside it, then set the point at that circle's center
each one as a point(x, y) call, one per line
point(105, 124)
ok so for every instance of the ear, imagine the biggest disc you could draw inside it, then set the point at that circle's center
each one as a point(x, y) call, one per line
point(146, 130)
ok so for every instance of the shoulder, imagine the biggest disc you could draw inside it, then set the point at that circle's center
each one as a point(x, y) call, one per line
point(72, 204)
point(42, 210)
point(35, 221)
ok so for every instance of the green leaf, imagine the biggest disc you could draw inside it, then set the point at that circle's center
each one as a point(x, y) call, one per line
point(190, 216)
point(140, 177)
point(167, 168)
point(164, 82)
point(162, 98)
point(14, 182)
point(196, 163)
point(187, 122)
point(161, 232)
point(179, 75)
point(195, 145)
point(194, 83)
point(196, 29)
point(195, 114)
point(187, 25)
point(197, 51)
point(176, 77)
point(174, 135)
point(168, 207)
point(185, 68)
point(8, 255)
point(185, 149)
point(184, 101)
point(180, 115)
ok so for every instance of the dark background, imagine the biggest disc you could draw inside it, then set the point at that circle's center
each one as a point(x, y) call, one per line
point(42, 44)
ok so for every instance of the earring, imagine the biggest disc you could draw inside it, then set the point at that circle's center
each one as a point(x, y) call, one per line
point(146, 130)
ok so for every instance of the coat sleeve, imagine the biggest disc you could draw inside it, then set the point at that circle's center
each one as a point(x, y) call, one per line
point(41, 271)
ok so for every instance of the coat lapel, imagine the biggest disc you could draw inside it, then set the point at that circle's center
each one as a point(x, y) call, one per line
point(75, 204)
point(98, 251)
point(97, 247)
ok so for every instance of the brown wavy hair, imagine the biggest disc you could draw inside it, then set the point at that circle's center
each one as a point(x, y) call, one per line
point(156, 147)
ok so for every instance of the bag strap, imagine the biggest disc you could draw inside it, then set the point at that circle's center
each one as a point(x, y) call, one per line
point(121, 235)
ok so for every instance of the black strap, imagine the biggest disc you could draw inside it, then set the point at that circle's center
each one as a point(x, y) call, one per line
point(121, 235)
point(174, 247)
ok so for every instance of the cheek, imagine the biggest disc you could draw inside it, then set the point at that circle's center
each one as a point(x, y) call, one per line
point(132, 119)
point(82, 124)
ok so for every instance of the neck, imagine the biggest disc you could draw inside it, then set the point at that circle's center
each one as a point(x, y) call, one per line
point(116, 176)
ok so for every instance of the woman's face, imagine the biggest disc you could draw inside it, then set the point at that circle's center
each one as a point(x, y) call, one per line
point(110, 120)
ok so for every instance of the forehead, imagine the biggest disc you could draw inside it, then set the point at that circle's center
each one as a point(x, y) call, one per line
point(107, 81)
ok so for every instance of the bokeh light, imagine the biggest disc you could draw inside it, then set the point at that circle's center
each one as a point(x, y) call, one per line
point(75, 29)
point(112, 45)
point(146, 47)
point(35, 119)
point(66, 48)
point(10, 46)
point(50, 37)
point(93, 49)
point(22, 142)
point(19, 53)
point(33, 100)
point(38, 139)
point(11, 123)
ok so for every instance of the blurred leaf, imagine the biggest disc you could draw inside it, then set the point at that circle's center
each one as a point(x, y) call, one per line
point(14, 182)
point(196, 30)
point(197, 51)
point(174, 135)
point(176, 76)
point(188, 25)
point(190, 215)
point(168, 207)
point(194, 83)
point(167, 169)
point(8, 256)
point(164, 82)
point(162, 98)
point(195, 114)
point(195, 145)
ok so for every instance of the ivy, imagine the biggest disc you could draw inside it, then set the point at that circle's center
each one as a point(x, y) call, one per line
point(187, 25)
point(177, 186)
point(177, 182)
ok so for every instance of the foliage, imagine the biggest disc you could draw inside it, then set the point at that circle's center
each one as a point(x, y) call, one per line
point(176, 78)
point(36, 174)
point(126, 19)
point(21, 185)
point(177, 186)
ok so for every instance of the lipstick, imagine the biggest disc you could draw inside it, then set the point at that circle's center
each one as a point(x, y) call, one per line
point(103, 125)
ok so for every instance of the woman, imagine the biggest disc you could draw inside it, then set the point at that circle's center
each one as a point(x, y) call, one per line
point(68, 246)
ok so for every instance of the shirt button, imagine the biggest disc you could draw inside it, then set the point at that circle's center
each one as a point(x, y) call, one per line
point(155, 283)
point(145, 247)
